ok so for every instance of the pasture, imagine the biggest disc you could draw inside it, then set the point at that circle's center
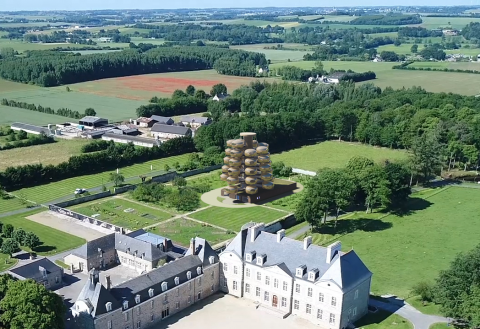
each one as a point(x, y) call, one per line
point(49, 192)
point(181, 230)
point(116, 211)
point(46, 154)
point(334, 154)
point(233, 219)
point(453, 22)
point(277, 56)
point(12, 204)
point(439, 224)
point(449, 65)
point(9, 115)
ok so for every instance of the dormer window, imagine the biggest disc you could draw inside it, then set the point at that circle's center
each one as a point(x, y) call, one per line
point(261, 259)
point(137, 299)
point(199, 270)
point(250, 256)
point(211, 259)
point(125, 304)
point(313, 274)
point(164, 286)
point(189, 275)
point(300, 271)
point(177, 281)
point(150, 292)
point(108, 306)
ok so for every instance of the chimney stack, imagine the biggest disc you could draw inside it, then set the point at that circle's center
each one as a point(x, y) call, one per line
point(192, 246)
point(333, 250)
point(280, 235)
point(307, 242)
point(93, 276)
point(108, 282)
point(255, 230)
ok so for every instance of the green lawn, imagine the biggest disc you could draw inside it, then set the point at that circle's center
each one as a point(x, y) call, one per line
point(233, 218)
point(402, 250)
point(425, 308)
point(449, 65)
point(53, 241)
point(440, 326)
point(274, 55)
point(11, 204)
point(181, 230)
point(295, 228)
point(334, 154)
point(383, 320)
point(49, 192)
point(113, 211)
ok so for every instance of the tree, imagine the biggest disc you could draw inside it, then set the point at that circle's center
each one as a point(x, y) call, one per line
point(116, 179)
point(7, 230)
point(5, 279)
point(10, 246)
point(67, 88)
point(22, 134)
point(414, 49)
point(179, 94)
point(3, 195)
point(31, 240)
point(90, 112)
point(389, 56)
point(200, 94)
point(423, 289)
point(28, 305)
point(319, 67)
point(375, 185)
point(190, 90)
point(218, 89)
point(426, 156)
point(179, 181)
point(398, 177)
point(166, 167)
point(397, 43)
point(19, 236)
point(344, 190)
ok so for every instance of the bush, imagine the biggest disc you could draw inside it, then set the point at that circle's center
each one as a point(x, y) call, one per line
point(424, 290)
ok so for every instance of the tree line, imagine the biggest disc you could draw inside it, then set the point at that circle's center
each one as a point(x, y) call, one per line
point(30, 141)
point(46, 68)
point(389, 19)
point(64, 112)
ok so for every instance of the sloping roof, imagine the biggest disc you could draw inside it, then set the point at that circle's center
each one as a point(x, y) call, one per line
point(154, 279)
point(237, 245)
point(168, 129)
point(91, 248)
point(32, 270)
point(129, 138)
point(195, 119)
point(98, 296)
point(347, 270)
point(143, 119)
point(203, 250)
point(160, 119)
point(131, 245)
point(91, 119)
point(26, 126)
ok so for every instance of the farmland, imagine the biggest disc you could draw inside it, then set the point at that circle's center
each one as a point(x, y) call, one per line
point(181, 230)
point(455, 22)
point(46, 154)
point(427, 238)
point(277, 56)
point(334, 154)
point(130, 215)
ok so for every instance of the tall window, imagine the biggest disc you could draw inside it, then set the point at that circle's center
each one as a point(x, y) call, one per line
point(234, 285)
point(309, 309)
point(332, 318)
point(356, 294)
point(247, 272)
point(213, 288)
point(151, 304)
point(225, 267)
point(259, 276)
point(109, 324)
point(177, 305)
point(285, 285)
point(321, 297)
point(284, 302)
point(138, 324)
point(126, 316)
point(257, 292)
point(267, 280)
point(267, 296)
point(275, 283)
point(189, 299)
point(334, 301)
point(225, 282)
point(199, 281)
point(235, 270)
point(319, 314)
point(296, 304)
point(310, 292)
point(297, 288)
point(355, 311)
point(247, 288)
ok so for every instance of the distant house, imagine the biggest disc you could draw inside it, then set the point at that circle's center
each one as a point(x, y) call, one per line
point(93, 122)
point(124, 130)
point(263, 70)
point(450, 32)
point(125, 139)
point(31, 129)
point(104, 40)
point(144, 122)
point(195, 121)
point(220, 97)
point(43, 271)
point(166, 132)
point(162, 120)
point(333, 78)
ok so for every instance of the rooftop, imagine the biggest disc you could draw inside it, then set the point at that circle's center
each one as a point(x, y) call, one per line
point(91, 119)
point(26, 126)
point(32, 269)
point(168, 129)
point(195, 119)
point(131, 138)
point(160, 119)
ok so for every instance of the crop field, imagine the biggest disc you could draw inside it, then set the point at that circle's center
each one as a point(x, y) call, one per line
point(49, 192)
point(440, 224)
point(53, 241)
point(334, 154)
point(9, 115)
point(455, 22)
point(46, 154)
point(276, 56)
point(130, 215)
point(181, 230)
point(233, 219)
point(449, 65)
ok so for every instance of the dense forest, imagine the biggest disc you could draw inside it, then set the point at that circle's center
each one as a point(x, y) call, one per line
point(472, 31)
point(390, 19)
point(418, 32)
point(48, 69)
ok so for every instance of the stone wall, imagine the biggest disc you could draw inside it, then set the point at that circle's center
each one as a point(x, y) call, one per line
point(83, 199)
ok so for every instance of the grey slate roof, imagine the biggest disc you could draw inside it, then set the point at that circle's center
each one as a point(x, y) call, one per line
point(129, 138)
point(161, 128)
point(96, 295)
point(154, 279)
point(164, 120)
point(32, 270)
point(91, 248)
point(91, 119)
point(203, 250)
point(131, 245)
point(347, 271)
point(195, 119)
point(26, 126)
point(237, 245)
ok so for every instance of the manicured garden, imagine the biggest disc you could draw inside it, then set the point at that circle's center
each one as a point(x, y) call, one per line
point(181, 230)
point(11, 204)
point(234, 218)
point(130, 215)
point(402, 250)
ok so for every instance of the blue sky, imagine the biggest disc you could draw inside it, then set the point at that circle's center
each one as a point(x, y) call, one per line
point(160, 4)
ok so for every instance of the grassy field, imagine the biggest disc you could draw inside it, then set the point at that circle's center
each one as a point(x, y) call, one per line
point(449, 65)
point(440, 326)
point(11, 204)
point(54, 154)
point(455, 22)
point(334, 154)
point(181, 230)
point(49, 192)
point(53, 241)
point(233, 219)
point(383, 320)
point(123, 213)
point(276, 56)
point(428, 238)
point(9, 115)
